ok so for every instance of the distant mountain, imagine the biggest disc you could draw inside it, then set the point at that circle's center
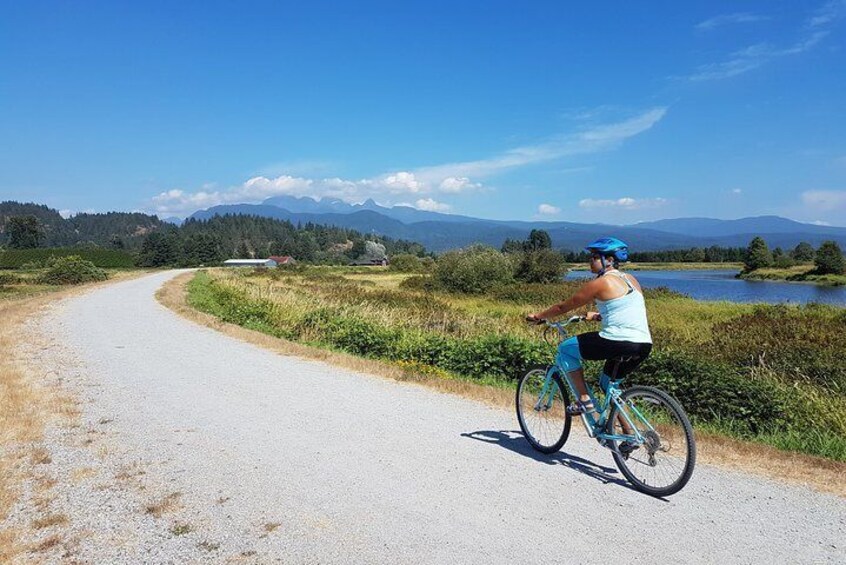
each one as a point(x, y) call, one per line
point(758, 225)
point(405, 214)
point(440, 232)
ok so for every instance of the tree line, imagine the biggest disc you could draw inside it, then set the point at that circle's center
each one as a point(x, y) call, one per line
point(827, 259)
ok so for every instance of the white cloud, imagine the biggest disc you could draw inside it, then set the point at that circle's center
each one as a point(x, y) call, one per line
point(431, 205)
point(753, 57)
point(67, 213)
point(815, 29)
point(457, 184)
point(727, 19)
point(451, 178)
point(824, 200)
point(737, 191)
point(626, 203)
point(828, 13)
point(548, 210)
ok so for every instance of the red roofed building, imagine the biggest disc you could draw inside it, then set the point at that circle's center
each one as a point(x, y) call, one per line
point(283, 260)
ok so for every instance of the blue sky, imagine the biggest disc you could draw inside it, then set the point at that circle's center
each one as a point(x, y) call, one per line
point(619, 113)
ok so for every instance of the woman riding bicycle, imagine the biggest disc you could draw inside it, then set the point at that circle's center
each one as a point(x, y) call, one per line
point(622, 311)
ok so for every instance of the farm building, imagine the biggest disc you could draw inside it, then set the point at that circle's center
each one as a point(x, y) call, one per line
point(249, 263)
point(283, 259)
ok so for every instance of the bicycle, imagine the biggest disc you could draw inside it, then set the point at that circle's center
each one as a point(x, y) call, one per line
point(645, 428)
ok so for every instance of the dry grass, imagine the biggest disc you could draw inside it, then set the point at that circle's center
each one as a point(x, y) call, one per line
point(167, 504)
point(29, 401)
point(49, 520)
point(815, 472)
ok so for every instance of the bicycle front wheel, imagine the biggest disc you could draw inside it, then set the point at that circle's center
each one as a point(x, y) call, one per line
point(542, 410)
point(663, 464)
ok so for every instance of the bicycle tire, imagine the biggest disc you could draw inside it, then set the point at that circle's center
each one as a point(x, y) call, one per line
point(689, 450)
point(563, 400)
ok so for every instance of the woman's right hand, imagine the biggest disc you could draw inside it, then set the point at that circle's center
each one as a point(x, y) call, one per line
point(593, 317)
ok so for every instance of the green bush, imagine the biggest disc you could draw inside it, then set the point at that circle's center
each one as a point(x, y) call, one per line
point(7, 279)
point(71, 270)
point(540, 266)
point(36, 258)
point(473, 270)
point(419, 282)
point(804, 343)
point(714, 391)
point(406, 263)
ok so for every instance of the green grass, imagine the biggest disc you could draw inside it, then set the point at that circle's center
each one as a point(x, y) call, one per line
point(770, 374)
point(798, 274)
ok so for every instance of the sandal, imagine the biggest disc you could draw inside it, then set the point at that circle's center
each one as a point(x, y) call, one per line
point(581, 407)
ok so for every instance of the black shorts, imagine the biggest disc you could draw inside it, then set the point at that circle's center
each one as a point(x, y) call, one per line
point(594, 347)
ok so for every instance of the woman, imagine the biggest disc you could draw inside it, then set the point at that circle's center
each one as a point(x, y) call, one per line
point(622, 311)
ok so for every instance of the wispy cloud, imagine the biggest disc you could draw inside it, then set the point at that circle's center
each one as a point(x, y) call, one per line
point(730, 19)
point(827, 14)
point(824, 200)
point(450, 178)
point(625, 203)
point(814, 30)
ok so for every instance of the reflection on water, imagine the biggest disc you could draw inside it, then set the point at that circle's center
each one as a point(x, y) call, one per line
point(720, 284)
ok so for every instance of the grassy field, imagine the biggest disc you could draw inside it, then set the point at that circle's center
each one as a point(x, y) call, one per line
point(770, 374)
point(798, 273)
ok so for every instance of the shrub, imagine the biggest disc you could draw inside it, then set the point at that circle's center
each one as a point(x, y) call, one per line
point(541, 266)
point(72, 270)
point(419, 282)
point(7, 279)
point(35, 258)
point(473, 270)
point(714, 391)
point(406, 263)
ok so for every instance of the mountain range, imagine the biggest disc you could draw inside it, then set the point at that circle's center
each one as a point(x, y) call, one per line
point(439, 232)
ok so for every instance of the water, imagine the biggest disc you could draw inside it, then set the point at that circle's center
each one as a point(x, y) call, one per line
point(720, 284)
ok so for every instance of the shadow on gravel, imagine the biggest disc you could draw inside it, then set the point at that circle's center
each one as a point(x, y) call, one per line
point(514, 441)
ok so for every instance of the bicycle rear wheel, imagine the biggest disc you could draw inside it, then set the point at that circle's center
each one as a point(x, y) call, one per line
point(664, 463)
point(542, 413)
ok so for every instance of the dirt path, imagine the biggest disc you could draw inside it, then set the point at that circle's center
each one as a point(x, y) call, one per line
point(198, 447)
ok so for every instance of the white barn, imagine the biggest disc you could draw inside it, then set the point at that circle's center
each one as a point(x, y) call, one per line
point(249, 263)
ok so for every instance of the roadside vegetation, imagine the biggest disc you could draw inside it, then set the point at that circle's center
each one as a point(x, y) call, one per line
point(769, 374)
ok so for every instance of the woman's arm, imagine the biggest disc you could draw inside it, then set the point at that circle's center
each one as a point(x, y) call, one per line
point(583, 296)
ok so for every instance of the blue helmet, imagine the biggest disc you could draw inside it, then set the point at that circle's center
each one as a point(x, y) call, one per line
point(610, 246)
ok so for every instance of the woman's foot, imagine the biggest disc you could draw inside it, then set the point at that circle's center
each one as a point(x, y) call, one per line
point(581, 407)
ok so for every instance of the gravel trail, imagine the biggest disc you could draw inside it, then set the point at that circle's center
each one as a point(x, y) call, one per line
point(204, 448)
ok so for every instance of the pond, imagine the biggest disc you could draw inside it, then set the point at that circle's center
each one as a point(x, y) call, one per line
point(720, 284)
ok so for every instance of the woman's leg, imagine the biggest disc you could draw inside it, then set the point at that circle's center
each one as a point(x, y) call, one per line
point(570, 360)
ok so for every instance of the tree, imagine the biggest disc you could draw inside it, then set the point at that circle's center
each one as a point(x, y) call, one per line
point(803, 253)
point(781, 259)
point(243, 251)
point(537, 240)
point(541, 266)
point(757, 255)
point(24, 232)
point(829, 259)
point(117, 242)
point(695, 255)
point(159, 250)
point(512, 246)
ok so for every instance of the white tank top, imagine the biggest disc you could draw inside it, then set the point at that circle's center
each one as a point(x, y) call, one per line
point(624, 318)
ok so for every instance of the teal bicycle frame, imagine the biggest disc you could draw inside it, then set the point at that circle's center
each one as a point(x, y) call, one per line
point(595, 426)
